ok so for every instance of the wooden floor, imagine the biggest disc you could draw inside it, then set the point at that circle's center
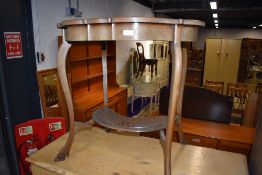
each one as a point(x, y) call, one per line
point(96, 152)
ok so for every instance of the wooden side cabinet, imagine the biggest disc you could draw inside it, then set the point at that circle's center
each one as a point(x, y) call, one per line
point(214, 135)
point(85, 75)
point(216, 143)
point(219, 136)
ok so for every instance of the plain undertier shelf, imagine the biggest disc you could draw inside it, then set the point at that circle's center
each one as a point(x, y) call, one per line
point(110, 119)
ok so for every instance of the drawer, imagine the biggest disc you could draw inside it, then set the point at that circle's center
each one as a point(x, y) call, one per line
point(200, 141)
point(235, 147)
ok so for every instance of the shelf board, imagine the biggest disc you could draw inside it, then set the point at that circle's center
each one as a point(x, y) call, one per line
point(195, 69)
point(91, 57)
point(91, 99)
point(88, 77)
point(197, 58)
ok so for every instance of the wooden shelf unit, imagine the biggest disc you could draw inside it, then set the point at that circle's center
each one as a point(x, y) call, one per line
point(91, 57)
point(249, 47)
point(195, 67)
point(84, 67)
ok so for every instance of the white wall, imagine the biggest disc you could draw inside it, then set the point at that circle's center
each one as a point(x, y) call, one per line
point(225, 33)
point(47, 13)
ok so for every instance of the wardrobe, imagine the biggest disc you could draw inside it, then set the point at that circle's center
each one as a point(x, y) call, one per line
point(222, 60)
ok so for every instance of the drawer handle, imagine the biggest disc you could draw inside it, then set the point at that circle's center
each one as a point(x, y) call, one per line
point(196, 140)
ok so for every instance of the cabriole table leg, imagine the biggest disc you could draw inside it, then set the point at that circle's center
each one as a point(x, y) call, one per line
point(174, 95)
point(61, 67)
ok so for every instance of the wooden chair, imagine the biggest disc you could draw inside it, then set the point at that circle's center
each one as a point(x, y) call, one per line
point(232, 86)
point(239, 92)
point(215, 86)
point(152, 63)
point(241, 95)
point(259, 88)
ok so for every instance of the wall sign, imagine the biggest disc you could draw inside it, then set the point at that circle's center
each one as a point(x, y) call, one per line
point(13, 45)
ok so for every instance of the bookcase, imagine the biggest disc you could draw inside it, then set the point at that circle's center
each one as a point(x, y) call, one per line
point(250, 48)
point(84, 69)
point(195, 67)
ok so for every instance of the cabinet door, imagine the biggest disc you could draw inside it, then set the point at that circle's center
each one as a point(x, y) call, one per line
point(212, 60)
point(230, 60)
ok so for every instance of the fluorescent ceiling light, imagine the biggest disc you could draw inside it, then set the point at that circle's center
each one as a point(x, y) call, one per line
point(215, 21)
point(216, 25)
point(260, 25)
point(213, 5)
point(255, 27)
point(214, 15)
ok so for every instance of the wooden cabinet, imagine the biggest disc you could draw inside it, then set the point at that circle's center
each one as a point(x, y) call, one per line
point(85, 75)
point(248, 70)
point(195, 67)
point(214, 135)
point(222, 60)
point(219, 136)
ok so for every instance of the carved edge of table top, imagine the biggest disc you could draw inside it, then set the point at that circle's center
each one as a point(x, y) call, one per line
point(71, 22)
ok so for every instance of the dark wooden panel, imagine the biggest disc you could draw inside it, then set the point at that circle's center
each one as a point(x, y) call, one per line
point(234, 147)
point(200, 103)
point(255, 164)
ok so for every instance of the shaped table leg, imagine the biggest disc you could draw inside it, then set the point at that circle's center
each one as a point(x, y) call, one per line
point(61, 67)
point(174, 95)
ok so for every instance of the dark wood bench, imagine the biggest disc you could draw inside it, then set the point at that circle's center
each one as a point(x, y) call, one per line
point(201, 103)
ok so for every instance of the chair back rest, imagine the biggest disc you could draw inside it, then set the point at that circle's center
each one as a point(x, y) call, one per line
point(215, 86)
point(233, 89)
point(141, 55)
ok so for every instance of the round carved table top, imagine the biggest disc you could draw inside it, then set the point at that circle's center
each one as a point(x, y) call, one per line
point(128, 28)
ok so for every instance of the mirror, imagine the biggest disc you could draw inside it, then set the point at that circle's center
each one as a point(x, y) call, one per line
point(52, 98)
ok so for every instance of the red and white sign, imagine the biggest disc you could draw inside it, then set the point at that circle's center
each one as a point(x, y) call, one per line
point(13, 45)
point(23, 131)
point(55, 126)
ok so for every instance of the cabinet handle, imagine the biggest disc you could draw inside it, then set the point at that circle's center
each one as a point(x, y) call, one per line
point(226, 53)
point(195, 140)
point(218, 53)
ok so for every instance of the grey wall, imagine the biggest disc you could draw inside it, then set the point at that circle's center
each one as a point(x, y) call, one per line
point(47, 13)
